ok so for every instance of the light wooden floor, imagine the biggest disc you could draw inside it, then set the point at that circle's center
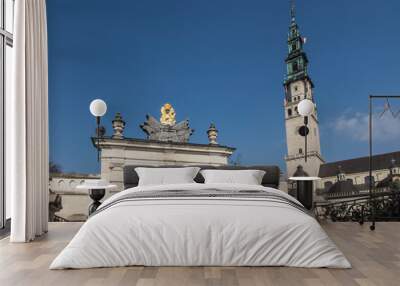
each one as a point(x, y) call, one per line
point(375, 257)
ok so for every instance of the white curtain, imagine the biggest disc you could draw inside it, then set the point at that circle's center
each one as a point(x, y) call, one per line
point(27, 124)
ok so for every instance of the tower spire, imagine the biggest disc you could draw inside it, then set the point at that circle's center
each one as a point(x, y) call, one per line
point(293, 11)
point(296, 61)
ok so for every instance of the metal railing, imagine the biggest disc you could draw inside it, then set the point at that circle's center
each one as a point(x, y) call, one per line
point(380, 206)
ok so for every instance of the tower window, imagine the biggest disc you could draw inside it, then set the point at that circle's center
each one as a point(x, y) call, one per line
point(295, 66)
point(300, 151)
point(289, 112)
point(295, 88)
point(294, 46)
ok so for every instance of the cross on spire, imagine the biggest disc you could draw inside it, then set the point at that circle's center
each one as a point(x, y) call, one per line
point(292, 11)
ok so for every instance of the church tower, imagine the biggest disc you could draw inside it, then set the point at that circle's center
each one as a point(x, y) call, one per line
point(298, 86)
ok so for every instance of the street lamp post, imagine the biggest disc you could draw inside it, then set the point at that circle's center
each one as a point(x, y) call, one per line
point(305, 108)
point(98, 108)
point(96, 187)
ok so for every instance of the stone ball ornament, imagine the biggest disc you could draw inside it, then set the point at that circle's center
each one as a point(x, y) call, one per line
point(98, 107)
point(306, 107)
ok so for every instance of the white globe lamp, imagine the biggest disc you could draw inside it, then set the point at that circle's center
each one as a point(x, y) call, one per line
point(305, 107)
point(98, 107)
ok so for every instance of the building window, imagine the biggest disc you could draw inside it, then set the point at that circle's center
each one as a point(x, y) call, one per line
point(6, 44)
point(295, 66)
point(300, 151)
point(295, 88)
point(289, 112)
point(294, 47)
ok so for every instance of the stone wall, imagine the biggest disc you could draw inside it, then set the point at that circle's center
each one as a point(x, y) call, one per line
point(357, 178)
point(116, 153)
point(74, 202)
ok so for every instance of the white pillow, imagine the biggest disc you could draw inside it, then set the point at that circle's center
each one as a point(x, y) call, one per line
point(166, 176)
point(248, 177)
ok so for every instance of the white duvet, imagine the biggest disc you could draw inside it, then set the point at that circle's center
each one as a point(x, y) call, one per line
point(200, 231)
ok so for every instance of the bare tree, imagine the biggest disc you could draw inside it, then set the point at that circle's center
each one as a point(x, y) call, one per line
point(54, 168)
point(237, 161)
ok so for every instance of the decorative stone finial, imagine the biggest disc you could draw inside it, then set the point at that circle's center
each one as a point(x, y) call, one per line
point(118, 125)
point(341, 176)
point(394, 168)
point(212, 133)
point(392, 164)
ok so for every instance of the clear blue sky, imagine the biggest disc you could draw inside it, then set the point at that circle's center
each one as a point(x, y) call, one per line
point(219, 61)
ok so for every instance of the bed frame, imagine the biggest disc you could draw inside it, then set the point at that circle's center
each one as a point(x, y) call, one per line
point(270, 179)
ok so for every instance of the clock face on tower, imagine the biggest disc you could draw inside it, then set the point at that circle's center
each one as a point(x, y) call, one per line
point(303, 130)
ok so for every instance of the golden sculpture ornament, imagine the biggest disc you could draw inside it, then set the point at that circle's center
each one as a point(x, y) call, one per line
point(167, 115)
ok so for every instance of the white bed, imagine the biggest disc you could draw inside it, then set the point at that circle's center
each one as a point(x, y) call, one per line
point(185, 230)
